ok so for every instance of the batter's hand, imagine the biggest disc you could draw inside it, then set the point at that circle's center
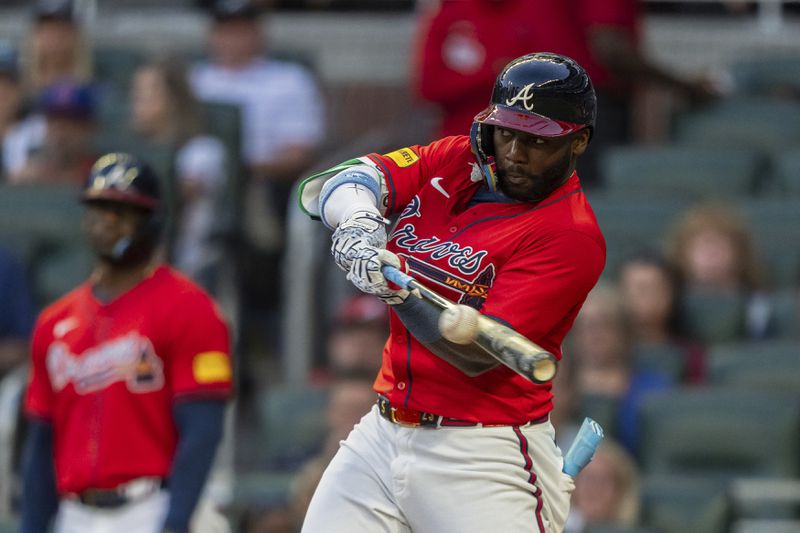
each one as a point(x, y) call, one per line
point(367, 276)
point(361, 230)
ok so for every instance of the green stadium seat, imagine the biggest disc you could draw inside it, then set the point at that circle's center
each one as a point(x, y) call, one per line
point(292, 424)
point(261, 489)
point(665, 359)
point(682, 504)
point(115, 66)
point(748, 123)
point(767, 77)
point(9, 524)
point(775, 226)
point(681, 171)
point(720, 431)
point(714, 316)
point(42, 225)
point(632, 226)
point(785, 320)
point(762, 365)
point(767, 498)
point(787, 172)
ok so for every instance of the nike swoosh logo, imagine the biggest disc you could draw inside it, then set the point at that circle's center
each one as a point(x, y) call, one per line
point(63, 327)
point(438, 186)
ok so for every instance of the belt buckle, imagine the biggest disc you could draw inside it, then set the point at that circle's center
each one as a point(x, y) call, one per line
point(399, 421)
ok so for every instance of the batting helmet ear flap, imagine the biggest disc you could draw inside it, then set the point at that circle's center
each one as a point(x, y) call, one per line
point(483, 148)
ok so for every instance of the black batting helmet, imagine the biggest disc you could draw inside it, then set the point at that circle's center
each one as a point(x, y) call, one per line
point(121, 177)
point(544, 94)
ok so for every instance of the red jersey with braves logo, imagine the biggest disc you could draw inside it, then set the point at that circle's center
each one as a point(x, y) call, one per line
point(106, 376)
point(530, 266)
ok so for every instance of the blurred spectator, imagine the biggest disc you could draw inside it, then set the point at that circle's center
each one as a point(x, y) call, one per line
point(651, 295)
point(282, 127)
point(165, 110)
point(462, 45)
point(620, 68)
point(714, 251)
point(16, 323)
point(361, 328)
point(606, 491)
point(10, 90)
point(55, 47)
point(609, 386)
point(67, 152)
point(54, 50)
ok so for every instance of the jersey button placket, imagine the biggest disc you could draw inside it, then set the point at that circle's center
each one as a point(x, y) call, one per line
point(401, 385)
point(453, 229)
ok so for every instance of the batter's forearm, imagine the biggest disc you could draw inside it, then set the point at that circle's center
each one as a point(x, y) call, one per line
point(421, 319)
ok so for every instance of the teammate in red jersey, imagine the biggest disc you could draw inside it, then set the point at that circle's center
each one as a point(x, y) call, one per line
point(495, 220)
point(130, 377)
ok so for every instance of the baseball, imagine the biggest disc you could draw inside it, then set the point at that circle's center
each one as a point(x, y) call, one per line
point(459, 324)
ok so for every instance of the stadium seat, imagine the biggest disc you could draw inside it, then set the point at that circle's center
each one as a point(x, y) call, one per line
point(115, 66)
point(714, 316)
point(293, 425)
point(787, 172)
point(756, 365)
point(681, 504)
point(721, 431)
point(632, 226)
point(747, 123)
point(665, 359)
point(785, 320)
point(767, 498)
point(767, 77)
point(9, 525)
point(775, 226)
point(681, 171)
point(42, 225)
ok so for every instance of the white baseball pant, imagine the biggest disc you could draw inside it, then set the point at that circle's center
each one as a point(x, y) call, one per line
point(145, 515)
point(387, 478)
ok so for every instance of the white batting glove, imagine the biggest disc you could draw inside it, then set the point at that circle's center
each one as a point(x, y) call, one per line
point(367, 276)
point(361, 230)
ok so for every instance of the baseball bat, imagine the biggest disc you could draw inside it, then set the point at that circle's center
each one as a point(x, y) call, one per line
point(501, 342)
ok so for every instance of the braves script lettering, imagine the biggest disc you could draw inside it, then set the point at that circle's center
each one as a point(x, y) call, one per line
point(126, 359)
point(463, 258)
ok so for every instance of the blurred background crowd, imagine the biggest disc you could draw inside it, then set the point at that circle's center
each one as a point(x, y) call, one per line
point(687, 352)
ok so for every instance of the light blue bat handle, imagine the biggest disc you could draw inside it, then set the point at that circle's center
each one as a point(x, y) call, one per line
point(583, 447)
point(395, 276)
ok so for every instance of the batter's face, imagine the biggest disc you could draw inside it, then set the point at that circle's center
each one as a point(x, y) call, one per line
point(530, 167)
point(107, 223)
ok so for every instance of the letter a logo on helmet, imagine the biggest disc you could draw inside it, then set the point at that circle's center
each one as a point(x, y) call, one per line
point(525, 96)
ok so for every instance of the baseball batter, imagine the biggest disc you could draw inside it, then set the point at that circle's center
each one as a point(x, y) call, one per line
point(497, 221)
point(130, 376)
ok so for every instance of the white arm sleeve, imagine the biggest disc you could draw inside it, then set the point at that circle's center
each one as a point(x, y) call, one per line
point(355, 189)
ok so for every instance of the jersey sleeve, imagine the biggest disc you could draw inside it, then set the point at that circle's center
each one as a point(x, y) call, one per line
point(539, 292)
point(199, 362)
point(407, 170)
point(39, 393)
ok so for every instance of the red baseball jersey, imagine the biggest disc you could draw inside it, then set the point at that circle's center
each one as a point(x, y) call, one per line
point(530, 266)
point(106, 376)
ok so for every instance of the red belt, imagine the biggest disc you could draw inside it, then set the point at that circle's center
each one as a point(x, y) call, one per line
point(412, 418)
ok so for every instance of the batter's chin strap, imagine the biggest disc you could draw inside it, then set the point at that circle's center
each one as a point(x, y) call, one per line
point(485, 162)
